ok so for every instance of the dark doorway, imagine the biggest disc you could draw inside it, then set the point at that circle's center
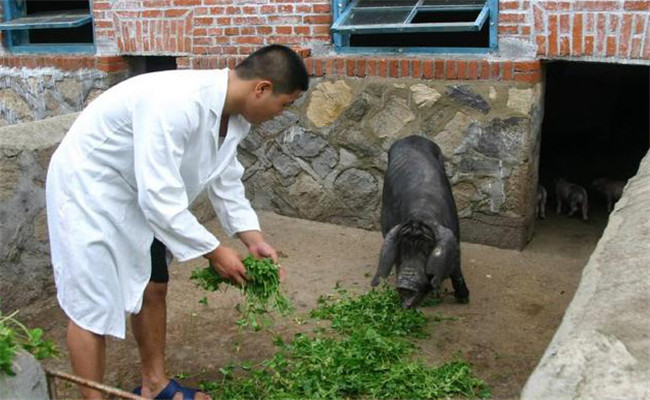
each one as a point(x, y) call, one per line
point(143, 64)
point(596, 124)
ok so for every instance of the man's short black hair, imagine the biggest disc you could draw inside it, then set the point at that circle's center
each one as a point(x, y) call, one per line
point(278, 64)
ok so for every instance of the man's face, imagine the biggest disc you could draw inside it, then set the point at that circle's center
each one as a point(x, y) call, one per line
point(264, 105)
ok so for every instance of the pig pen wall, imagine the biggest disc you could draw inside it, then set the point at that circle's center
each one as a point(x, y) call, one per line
point(322, 160)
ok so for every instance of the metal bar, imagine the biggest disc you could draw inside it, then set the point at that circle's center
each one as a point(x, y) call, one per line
point(51, 386)
point(43, 23)
point(391, 51)
point(53, 48)
point(344, 15)
point(494, 23)
point(414, 11)
point(392, 28)
point(94, 385)
point(482, 17)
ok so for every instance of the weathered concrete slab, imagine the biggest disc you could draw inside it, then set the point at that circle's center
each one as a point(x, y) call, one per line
point(602, 348)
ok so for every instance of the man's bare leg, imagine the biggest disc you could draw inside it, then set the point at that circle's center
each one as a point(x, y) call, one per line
point(149, 329)
point(87, 354)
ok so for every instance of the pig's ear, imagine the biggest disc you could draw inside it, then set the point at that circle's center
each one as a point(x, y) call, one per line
point(387, 255)
point(445, 252)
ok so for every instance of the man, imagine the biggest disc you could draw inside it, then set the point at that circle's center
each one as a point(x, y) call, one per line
point(127, 171)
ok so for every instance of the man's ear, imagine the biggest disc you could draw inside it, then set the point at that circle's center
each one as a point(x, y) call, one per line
point(263, 86)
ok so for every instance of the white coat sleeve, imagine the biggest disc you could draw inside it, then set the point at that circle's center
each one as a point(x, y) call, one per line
point(228, 197)
point(160, 134)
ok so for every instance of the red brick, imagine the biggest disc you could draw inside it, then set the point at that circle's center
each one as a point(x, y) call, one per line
point(508, 5)
point(372, 67)
point(394, 68)
point(319, 68)
point(303, 9)
point(636, 5)
point(525, 30)
point(152, 13)
point(589, 46)
point(496, 71)
point(321, 8)
point(538, 16)
point(230, 31)
point(589, 23)
point(461, 66)
point(590, 5)
point(203, 21)
point(361, 67)
point(472, 70)
point(175, 13)
point(404, 69)
point(639, 21)
point(576, 49)
point(317, 19)
point(613, 23)
point(329, 67)
point(507, 70)
point(185, 3)
point(531, 77)
point(349, 70)
point(427, 69)
point(451, 70)
point(439, 69)
point(506, 18)
point(485, 69)
point(320, 29)
point(382, 68)
point(309, 66)
point(249, 10)
point(601, 32)
point(264, 30)
point(564, 23)
point(527, 66)
point(611, 46)
point(553, 35)
point(416, 67)
point(565, 46)
point(340, 66)
point(646, 43)
point(625, 36)
point(636, 48)
point(283, 30)
point(285, 8)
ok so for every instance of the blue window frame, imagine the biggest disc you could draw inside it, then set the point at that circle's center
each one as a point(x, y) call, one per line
point(418, 26)
point(37, 26)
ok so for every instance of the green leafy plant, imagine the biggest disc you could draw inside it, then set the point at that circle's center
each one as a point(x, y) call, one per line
point(262, 289)
point(366, 354)
point(14, 336)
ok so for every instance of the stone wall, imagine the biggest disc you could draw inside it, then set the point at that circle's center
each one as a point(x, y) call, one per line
point(25, 151)
point(31, 94)
point(324, 160)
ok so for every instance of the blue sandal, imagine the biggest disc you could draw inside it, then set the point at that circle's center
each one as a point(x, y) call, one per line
point(170, 390)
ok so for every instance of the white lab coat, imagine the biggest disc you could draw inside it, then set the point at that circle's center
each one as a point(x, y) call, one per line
point(127, 170)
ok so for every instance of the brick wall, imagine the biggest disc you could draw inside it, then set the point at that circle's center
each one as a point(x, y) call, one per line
point(177, 27)
point(601, 30)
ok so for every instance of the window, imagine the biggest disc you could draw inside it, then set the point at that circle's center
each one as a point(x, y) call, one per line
point(431, 26)
point(31, 26)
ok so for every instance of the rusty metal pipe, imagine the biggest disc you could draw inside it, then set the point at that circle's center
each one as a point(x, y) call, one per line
point(91, 384)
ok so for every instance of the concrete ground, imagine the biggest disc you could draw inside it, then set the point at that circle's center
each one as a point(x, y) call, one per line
point(517, 302)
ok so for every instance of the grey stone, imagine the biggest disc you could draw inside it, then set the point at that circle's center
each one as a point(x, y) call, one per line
point(278, 124)
point(301, 143)
point(480, 166)
point(521, 100)
point(358, 109)
point(504, 139)
point(325, 162)
point(71, 90)
point(395, 115)
point(29, 381)
point(14, 107)
point(362, 144)
point(285, 165)
point(357, 189)
point(466, 96)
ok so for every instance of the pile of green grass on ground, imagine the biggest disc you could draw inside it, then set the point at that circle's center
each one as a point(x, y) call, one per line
point(262, 290)
point(365, 354)
point(14, 336)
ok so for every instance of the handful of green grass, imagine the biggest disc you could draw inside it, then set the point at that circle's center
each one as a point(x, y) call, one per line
point(262, 289)
point(14, 335)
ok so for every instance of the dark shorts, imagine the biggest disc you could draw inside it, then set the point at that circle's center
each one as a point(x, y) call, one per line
point(159, 272)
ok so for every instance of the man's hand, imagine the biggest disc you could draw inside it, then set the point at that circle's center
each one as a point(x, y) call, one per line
point(227, 262)
point(258, 247)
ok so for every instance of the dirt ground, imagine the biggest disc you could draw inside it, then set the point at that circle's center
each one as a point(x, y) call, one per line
point(516, 303)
